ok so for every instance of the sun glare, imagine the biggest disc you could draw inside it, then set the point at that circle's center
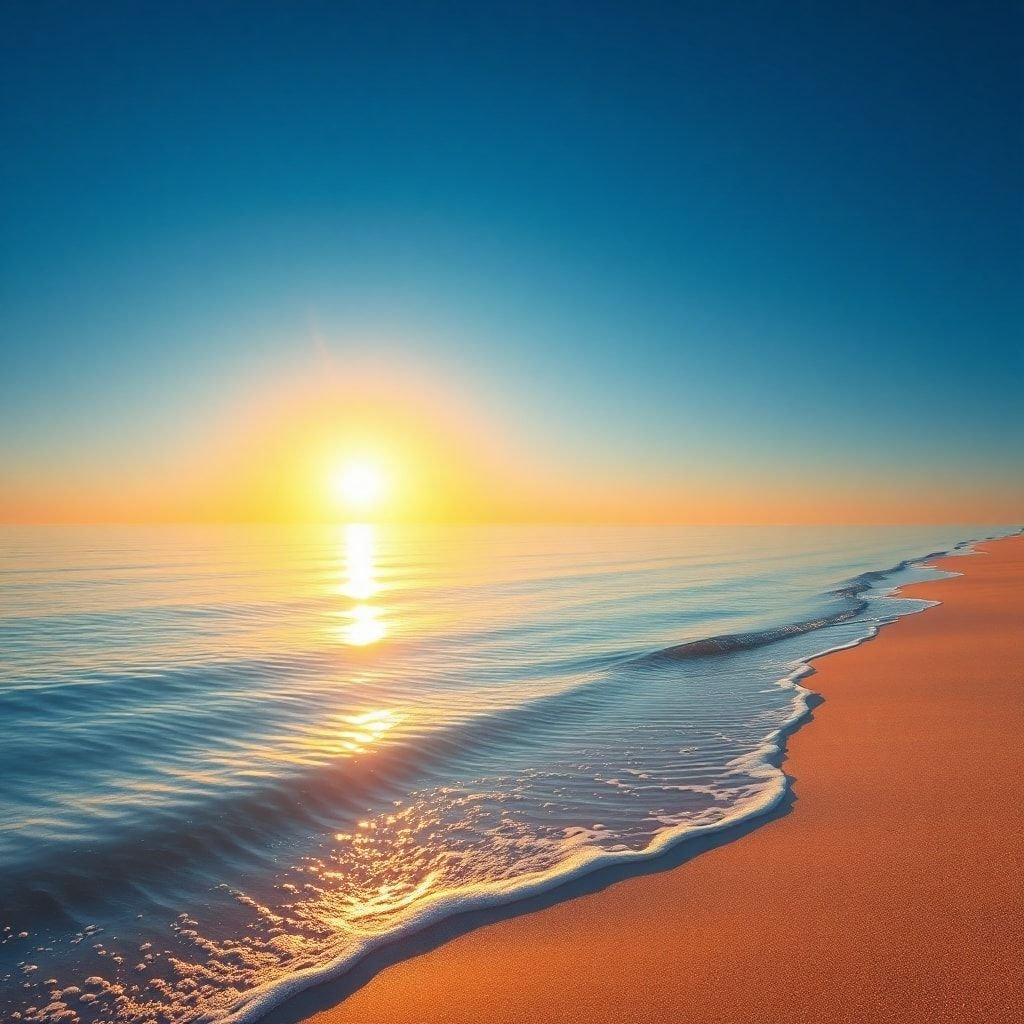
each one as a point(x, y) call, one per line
point(359, 485)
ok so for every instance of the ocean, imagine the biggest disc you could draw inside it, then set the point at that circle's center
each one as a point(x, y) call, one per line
point(235, 759)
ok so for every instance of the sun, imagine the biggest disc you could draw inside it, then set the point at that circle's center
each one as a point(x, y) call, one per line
point(359, 485)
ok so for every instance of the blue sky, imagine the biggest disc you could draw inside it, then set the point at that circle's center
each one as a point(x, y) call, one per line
point(644, 235)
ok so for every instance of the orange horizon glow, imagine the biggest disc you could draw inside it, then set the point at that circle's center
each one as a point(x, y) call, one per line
point(334, 448)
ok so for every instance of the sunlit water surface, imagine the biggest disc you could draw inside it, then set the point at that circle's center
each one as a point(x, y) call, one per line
point(238, 756)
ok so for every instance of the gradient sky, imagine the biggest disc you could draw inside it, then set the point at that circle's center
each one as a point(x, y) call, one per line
point(678, 261)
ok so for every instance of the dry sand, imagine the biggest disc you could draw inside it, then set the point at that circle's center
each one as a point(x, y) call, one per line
point(891, 890)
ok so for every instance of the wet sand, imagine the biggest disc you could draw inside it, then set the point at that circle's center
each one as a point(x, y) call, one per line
point(889, 888)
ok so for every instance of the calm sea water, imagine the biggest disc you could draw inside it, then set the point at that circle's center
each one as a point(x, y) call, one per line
point(234, 759)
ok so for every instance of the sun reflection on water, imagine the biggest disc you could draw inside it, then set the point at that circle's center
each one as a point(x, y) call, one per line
point(361, 732)
point(360, 571)
point(366, 625)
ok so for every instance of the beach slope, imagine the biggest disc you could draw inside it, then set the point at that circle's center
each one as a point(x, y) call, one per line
point(890, 891)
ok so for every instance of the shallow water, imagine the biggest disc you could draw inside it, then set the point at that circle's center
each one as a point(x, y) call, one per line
point(235, 758)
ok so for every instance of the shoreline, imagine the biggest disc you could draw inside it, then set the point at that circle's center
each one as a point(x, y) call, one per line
point(415, 980)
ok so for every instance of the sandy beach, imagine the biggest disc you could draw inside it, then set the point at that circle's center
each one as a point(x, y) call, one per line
point(889, 888)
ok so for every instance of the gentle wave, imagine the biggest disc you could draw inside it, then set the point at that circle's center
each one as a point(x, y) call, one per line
point(226, 822)
point(764, 763)
point(730, 643)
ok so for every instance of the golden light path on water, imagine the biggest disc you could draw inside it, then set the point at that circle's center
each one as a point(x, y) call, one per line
point(365, 625)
